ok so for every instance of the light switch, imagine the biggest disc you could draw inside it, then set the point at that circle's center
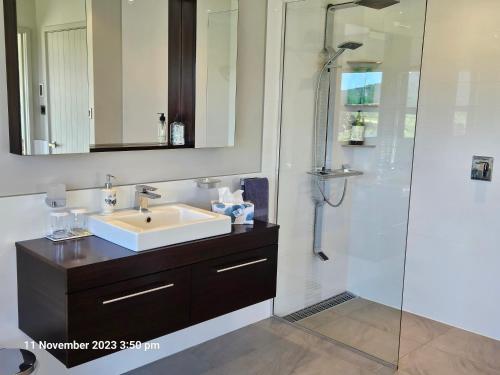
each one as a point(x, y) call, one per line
point(482, 168)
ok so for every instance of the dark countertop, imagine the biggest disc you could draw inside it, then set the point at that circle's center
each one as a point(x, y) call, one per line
point(83, 259)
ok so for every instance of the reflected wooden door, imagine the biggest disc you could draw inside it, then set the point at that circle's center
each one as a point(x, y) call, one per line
point(67, 90)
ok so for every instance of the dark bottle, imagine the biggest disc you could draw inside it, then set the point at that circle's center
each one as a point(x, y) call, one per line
point(358, 130)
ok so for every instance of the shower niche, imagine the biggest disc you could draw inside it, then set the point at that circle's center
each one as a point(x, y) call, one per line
point(343, 244)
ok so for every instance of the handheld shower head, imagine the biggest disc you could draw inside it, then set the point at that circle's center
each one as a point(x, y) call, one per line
point(341, 49)
point(350, 45)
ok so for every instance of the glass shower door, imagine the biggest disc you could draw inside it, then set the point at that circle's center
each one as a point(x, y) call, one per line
point(354, 297)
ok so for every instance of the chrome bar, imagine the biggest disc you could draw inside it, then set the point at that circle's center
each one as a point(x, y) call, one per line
point(318, 227)
point(137, 294)
point(349, 4)
point(242, 265)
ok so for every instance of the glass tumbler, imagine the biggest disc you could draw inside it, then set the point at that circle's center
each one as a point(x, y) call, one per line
point(59, 224)
point(78, 224)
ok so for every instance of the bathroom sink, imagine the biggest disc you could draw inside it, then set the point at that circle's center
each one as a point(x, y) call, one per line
point(160, 226)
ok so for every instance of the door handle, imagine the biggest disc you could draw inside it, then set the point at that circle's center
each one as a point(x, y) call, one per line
point(53, 144)
point(242, 265)
point(107, 302)
point(486, 169)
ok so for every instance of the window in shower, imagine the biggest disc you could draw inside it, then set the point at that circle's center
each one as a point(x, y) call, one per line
point(362, 89)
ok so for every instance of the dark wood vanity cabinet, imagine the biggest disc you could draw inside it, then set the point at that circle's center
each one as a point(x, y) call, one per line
point(134, 310)
point(94, 292)
point(233, 282)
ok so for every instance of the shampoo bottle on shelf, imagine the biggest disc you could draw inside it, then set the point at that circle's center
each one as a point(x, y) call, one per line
point(162, 129)
point(358, 130)
point(109, 200)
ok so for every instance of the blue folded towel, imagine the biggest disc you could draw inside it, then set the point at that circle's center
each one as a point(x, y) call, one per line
point(256, 190)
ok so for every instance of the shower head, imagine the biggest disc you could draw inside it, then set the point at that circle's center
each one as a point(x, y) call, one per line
point(350, 45)
point(377, 4)
point(341, 48)
point(373, 4)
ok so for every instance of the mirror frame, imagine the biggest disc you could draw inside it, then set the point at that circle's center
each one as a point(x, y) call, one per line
point(181, 73)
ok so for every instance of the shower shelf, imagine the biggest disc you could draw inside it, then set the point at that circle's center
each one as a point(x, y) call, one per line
point(365, 146)
point(360, 62)
point(362, 105)
point(338, 173)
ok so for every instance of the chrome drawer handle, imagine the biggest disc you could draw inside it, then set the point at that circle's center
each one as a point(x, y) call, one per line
point(242, 265)
point(137, 294)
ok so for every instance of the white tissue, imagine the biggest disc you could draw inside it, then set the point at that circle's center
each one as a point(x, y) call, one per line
point(225, 196)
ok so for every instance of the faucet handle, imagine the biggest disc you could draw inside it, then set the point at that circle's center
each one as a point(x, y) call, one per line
point(145, 188)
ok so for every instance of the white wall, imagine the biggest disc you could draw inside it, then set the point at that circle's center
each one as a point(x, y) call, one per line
point(57, 12)
point(453, 253)
point(216, 72)
point(145, 76)
point(105, 73)
point(26, 13)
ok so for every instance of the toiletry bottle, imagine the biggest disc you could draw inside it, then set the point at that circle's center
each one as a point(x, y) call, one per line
point(177, 134)
point(162, 129)
point(358, 130)
point(109, 200)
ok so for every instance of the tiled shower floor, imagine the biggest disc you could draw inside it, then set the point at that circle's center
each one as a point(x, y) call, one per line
point(370, 327)
point(272, 347)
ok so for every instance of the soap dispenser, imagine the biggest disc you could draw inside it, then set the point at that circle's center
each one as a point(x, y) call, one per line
point(109, 200)
point(162, 129)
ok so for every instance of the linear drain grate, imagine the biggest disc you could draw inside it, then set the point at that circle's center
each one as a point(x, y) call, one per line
point(319, 307)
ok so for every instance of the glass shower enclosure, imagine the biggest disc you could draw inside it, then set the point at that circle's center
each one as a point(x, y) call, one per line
point(350, 83)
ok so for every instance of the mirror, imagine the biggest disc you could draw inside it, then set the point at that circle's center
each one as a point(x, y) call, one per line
point(96, 75)
point(53, 76)
point(92, 74)
point(129, 45)
point(216, 56)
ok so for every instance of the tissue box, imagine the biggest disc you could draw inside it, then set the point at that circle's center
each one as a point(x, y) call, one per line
point(239, 213)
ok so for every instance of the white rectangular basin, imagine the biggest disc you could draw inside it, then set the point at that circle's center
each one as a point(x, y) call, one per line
point(161, 226)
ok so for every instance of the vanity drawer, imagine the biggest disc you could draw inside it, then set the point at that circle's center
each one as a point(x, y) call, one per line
point(139, 309)
point(227, 284)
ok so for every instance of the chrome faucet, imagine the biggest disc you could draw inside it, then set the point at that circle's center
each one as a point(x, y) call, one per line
point(143, 194)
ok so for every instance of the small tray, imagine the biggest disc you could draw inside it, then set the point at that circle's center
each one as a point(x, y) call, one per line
point(71, 236)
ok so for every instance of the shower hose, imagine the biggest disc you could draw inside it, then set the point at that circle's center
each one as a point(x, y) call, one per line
point(326, 199)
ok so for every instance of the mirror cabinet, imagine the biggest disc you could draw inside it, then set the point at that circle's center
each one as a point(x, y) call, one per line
point(114, 75)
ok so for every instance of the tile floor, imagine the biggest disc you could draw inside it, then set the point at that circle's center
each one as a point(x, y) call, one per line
point(272, 347)
point(370, 327)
